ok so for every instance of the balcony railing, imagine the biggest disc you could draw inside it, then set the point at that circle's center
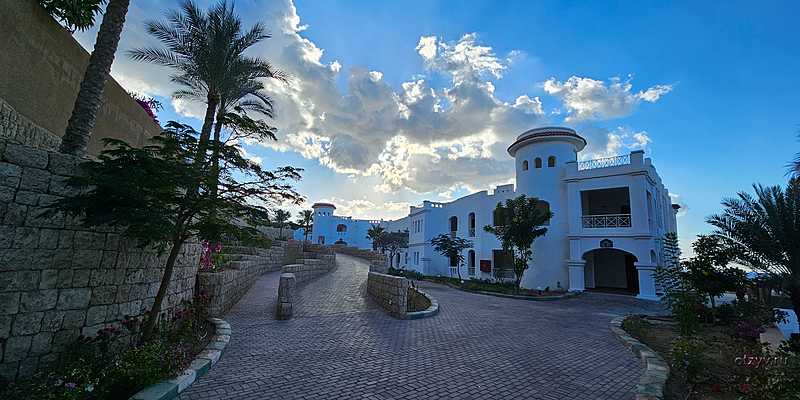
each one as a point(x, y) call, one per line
point(453, 234)
point(607, 221)
point(604, 162)
point(471, 232)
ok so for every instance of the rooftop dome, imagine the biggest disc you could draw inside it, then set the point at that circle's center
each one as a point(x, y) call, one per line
point(326, 205)
point(545, 134)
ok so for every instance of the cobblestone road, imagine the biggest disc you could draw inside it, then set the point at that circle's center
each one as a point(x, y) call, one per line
point(341, 346)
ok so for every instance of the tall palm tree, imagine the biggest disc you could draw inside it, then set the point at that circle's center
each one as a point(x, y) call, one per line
point(795, 166)
point(90, 96)
point(204, 50)
point(375, 234)
point(305, 221)
point(764, 232)
point(281, 217)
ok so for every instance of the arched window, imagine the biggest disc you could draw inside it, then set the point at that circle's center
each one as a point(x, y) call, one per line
point(471, 224)
point(471, 262)
point(453, 224)
point(499, 217)
point(341, 228)
point(551, 161)
point(537, 162)
point(525, 165)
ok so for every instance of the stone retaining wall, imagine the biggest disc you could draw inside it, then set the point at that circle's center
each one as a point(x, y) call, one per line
point(59, 280)
point(226, 287)
point(377, 261)
point(306, 269)
point(42, 68)
point(391, 292)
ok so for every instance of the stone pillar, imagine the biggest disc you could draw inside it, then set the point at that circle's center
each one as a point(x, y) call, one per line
point(576, 275)
point(647, 283)
point(285, 296)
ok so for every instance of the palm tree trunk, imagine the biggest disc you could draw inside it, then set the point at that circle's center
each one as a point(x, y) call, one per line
point(90, 96)
point(215, 151)
point(794, 295)
point(152, 320)
point(208, 123)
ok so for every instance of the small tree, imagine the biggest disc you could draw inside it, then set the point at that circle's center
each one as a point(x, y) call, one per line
point(281, 218)
point(305, 220)
point(452, 247)
point(522, 219)
point(148, 194)
point(708, 272)
point(393, 242)
point(376, 234)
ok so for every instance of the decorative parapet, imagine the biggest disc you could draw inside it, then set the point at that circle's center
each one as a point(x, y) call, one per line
point(169, 389)
point(656, 371)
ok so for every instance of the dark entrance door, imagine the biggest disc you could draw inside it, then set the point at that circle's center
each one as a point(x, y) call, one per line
point(632, 274)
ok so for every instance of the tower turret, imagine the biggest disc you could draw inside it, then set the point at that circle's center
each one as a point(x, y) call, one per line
point(541, 155)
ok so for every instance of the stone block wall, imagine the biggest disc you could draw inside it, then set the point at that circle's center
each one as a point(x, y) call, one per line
point(59, 280)
point(226, 287)
point(42, 68)
point(391, 292)
point(306, 269)
point(377, 261)
point(417, 301)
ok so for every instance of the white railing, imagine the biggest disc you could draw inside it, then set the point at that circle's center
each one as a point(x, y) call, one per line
point(607, 221)
point(604, 162)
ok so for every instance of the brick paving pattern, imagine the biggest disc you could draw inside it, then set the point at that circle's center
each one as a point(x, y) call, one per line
point(341, 346)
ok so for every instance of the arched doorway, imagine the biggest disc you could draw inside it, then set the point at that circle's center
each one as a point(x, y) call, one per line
point(613, 270)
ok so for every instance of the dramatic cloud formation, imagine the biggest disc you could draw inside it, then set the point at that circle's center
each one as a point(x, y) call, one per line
point(587, 98)
point(418, 137)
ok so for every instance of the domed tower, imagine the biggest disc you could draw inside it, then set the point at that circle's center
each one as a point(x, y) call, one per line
point(323, 209)
point(541, 156)
point(321, 230)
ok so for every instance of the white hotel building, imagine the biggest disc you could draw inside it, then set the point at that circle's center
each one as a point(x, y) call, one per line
point(609, 218)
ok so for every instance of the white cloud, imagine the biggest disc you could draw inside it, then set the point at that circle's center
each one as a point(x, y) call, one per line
point(367, 209)
point(587, 98)
point(416, 138)
point(603, 142)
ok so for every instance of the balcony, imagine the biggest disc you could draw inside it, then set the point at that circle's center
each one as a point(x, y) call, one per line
point(606, 221)
point(471, 232)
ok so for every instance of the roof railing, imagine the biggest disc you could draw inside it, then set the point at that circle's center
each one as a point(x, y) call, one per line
point(605, 162)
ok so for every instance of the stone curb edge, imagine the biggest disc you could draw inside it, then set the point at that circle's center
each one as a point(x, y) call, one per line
point(656, 371)
point(432, 310)
point(567, 295)
point(169, 389)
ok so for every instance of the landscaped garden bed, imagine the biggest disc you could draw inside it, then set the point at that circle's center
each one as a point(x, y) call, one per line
point(721, 360)
point(484, 286)
point(115, 364)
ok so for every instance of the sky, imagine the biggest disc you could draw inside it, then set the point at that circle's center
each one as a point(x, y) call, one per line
point(392, 103)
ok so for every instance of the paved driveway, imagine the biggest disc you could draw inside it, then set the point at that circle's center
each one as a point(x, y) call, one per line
point(341, 346)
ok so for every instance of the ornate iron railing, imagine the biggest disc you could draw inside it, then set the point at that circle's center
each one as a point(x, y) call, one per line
point(607, 221)
point(604, 162)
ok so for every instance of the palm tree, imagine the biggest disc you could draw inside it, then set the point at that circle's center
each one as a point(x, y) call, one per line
point(764, 232)
point(204, 50)
point(375, 234)
point(90, 96)
point(281, 216)
point(305, 221)
point(794, 166)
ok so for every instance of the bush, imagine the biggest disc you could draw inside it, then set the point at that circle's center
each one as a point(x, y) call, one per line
point(780, 379)
point(410, 274)
point(687, 357)
point(634, 325)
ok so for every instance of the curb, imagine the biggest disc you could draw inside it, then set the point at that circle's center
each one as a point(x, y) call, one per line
point(656, 371)
point(432, 310)
point(169, 389)
point(567, 295)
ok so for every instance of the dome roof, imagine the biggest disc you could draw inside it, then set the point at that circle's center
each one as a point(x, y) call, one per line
point(547, 133)
point(326, 205)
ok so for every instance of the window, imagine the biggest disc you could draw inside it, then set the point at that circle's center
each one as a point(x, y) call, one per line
point(405, 258)
point(471, 224)
point(341, 228)
point(453, 224)
point(525, 165)
point(416, 258)
point(537, 163)
point(471, 262)
point(499, 217)
point(551, 162)
point(321, 240)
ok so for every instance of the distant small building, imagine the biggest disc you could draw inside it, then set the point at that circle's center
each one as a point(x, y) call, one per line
point(609, 218)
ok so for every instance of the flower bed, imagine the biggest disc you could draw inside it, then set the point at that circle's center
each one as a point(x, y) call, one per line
point(721, 360)
point(114, 364)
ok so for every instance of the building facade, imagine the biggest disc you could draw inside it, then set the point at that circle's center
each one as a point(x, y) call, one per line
point(609, 219)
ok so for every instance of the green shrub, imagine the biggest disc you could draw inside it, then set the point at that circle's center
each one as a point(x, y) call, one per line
point(779, 379)
point(687, 357)
point(634, 325)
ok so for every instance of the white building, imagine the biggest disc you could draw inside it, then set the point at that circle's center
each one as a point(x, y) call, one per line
point(609, 218)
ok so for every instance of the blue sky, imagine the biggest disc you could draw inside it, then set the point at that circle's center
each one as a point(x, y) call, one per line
point(395, 102)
